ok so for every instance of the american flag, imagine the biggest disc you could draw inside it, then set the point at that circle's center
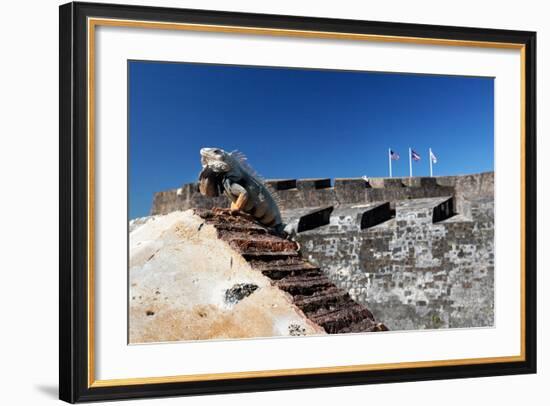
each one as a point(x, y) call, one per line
point(394, 155)
point(414, 155)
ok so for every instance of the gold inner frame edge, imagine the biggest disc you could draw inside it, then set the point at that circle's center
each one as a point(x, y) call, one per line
point(93, 22)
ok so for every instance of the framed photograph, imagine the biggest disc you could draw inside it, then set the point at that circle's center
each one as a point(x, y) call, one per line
point(257, 202)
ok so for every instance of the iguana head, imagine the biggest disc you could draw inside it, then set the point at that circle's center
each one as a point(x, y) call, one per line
point(216, 159)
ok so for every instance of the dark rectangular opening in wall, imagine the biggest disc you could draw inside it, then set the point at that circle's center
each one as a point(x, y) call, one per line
point(443, 211)
point(376, 215)
point(322, 183)
point(311, 184)
point(317, 218)
point(282, 184)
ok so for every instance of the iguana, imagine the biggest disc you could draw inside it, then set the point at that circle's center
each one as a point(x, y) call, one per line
point(228, 171)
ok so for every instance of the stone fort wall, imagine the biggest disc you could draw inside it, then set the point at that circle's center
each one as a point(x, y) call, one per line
point(413, 272)
point(300, 193)
point(417, 251)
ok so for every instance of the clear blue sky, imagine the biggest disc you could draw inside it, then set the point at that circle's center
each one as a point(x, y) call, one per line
point(301, 123)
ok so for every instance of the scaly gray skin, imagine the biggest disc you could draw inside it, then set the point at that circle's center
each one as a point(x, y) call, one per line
point(244, 190)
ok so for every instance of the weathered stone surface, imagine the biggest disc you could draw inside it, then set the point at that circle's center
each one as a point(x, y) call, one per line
point(188, 284)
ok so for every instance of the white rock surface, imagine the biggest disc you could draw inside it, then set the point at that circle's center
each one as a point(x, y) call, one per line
point(179, 273)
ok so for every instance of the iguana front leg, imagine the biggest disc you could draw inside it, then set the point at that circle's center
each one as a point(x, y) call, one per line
point(242, 198)
point(239, 204)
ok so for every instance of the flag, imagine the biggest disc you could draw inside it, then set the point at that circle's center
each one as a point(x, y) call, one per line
point(433, 157)
point(414, 155)
point(394, 155)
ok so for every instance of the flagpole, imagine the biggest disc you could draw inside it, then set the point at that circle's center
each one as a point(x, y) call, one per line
point(431, 170)
point(389, 160)
point(410, 164)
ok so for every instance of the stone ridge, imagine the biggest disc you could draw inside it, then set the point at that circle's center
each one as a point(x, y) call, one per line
point(280, 260)
point(301, 193)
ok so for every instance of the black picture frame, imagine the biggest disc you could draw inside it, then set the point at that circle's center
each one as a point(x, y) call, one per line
point(74, 385)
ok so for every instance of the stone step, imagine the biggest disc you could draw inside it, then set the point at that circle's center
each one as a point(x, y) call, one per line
point(247, 247)
point(231, 227)
point(280, 271)
point(277, 274)
point(254, 255)
point(334, 321)
point(222, 219)
point(281, 264)
point(327, 299)
point(298, 285)
point(259, 243)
